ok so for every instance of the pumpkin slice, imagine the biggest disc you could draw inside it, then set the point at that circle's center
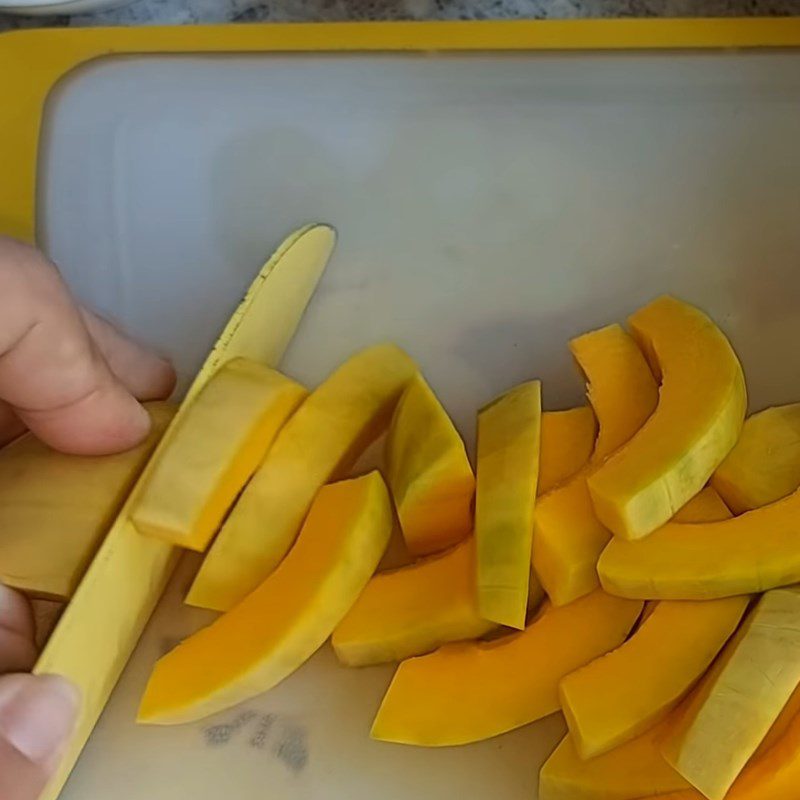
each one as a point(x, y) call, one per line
point(415, 609)
point(508, 470)
point(744, 555)
point(634, 770)
point(468, 691)
point(740, 698)
point(428, 472)
point(567, 438)
point(281, 624)
point(699, 416)
point(764, 466)
point(619, 696)
point(568, 537)
point(637, 769)
point(322, 440)
point(772, 774)
point(212, 452)
point(56, 508)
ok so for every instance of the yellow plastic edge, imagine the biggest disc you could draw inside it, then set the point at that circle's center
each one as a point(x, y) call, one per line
point(32, 62)
point(103, 622)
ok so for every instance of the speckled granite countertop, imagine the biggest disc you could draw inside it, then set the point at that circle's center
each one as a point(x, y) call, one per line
point(142, 12)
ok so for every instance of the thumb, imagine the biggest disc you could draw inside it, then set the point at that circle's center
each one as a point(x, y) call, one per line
point(37, 715)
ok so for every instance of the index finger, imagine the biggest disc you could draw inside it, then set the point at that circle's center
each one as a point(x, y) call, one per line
point(51, 372)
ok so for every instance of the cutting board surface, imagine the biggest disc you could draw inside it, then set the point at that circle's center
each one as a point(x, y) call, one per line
point(489, 207)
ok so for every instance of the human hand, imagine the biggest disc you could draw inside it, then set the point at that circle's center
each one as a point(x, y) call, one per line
point(75, 382)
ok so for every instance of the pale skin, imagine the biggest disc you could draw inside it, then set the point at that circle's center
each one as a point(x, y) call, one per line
point(75, 382)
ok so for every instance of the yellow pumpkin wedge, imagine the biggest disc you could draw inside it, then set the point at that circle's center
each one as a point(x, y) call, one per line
point(637, 769)
point(283, 622)
point(415, 609)
point(509, 432)
point(212, 451)
point(772, 774)
point(764, 466)
point(744, 555)
point(781, 725)
point(56, 508)
point(619, 696)
point(568, 538)
point(633, 770)
point(700, 411)
point(567, 442)
point(428, 472)
point(468, 691)
point(320, 442)
point(740, 698)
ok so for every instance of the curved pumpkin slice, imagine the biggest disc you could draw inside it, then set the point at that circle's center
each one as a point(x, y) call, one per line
point(428, 472)
point(56, 508)
point(568, 538)
point(322, 440)
point(634, 770)
point(212, 451)
point(567, 442)
point(281, 624)
point(468, 691)
point(744, 555)
point(699, 416)
point(619, 696)
point(637, 769)
point(765, 464)
point(509, 432)
point(740, 698)
point(773, 774)
point(415, 609)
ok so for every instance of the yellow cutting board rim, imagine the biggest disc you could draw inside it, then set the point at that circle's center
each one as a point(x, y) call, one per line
point(32, 62)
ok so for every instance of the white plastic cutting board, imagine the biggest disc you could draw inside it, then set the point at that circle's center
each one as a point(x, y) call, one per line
point(488, 209)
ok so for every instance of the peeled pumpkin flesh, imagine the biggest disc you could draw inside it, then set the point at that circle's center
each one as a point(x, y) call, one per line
point(56, 508)
point(633, 770)
point(740, 698)
point(637, 769)
point(700, 411)
point(744, 555)
point(468, 691)
point(428, 472)
point(321, 441)
point(415, 609)
point(616, 698)
point(212, 451)
point(280, 625)
point(707, 506)
point(772, 774)
point(509, 432)
point(567, 442)
point(568, 538)
point(619, 696)
point(764, 466)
